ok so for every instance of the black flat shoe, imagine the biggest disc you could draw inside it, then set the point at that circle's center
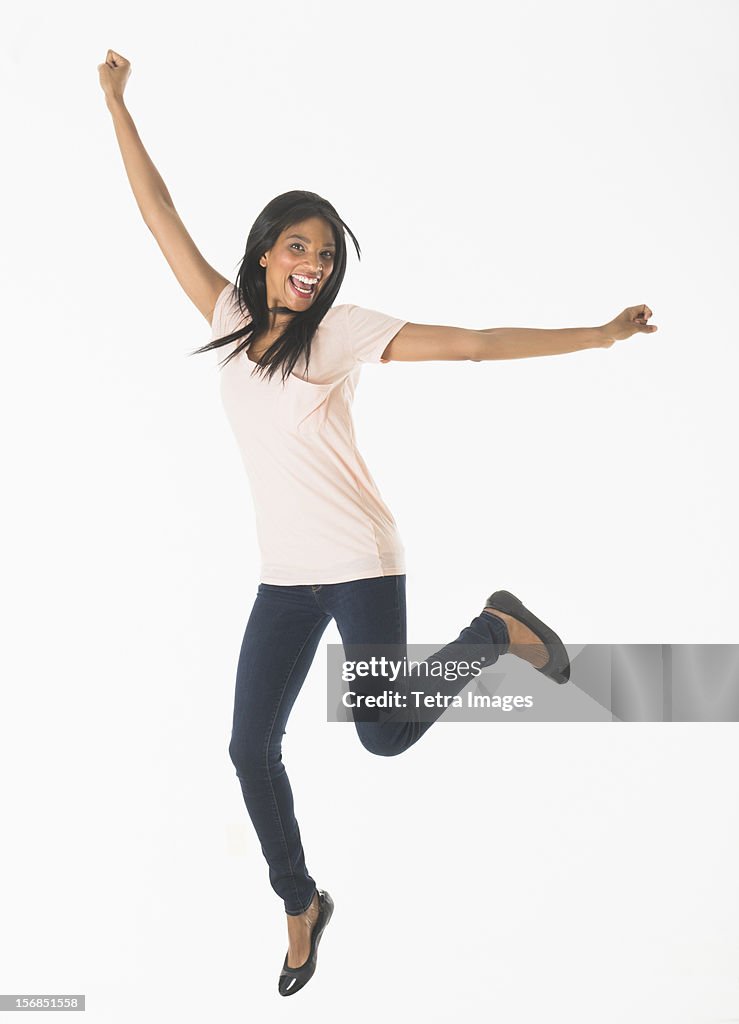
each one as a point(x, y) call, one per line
point(558, 666)
point(292, 979)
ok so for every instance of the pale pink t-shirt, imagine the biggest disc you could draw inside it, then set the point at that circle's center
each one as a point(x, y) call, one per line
point(320, 517)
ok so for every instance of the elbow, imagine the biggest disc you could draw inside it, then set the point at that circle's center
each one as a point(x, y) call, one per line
point(476, 346)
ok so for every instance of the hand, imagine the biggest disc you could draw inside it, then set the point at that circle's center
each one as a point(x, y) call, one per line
point(113, 74)
point(632, 321)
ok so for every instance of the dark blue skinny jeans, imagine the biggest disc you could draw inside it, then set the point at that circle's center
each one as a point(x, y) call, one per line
point(281, 638)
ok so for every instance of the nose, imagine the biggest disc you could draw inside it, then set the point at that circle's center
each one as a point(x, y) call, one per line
point(314, 268)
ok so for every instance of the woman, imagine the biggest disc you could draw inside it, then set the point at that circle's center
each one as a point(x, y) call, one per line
point(330, 546)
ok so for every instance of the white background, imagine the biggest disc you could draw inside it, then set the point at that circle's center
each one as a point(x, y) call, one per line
point(528, 164)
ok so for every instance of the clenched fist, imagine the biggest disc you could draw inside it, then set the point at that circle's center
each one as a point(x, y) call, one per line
point(632, 321)
point(113, 74)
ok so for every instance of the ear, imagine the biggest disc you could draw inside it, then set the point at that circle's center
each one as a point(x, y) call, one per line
point(262, 261)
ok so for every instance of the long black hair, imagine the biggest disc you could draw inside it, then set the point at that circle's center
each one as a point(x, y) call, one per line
point(295, 340)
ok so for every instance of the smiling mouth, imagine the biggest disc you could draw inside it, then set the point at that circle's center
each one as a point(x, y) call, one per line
point(302, 285)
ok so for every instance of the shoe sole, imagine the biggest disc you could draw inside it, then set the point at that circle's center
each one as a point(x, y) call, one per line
point(558, 666)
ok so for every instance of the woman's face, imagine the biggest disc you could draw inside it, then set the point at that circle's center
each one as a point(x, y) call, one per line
point(305, 249)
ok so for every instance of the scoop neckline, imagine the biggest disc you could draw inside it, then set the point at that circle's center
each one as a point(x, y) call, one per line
point(294, 376)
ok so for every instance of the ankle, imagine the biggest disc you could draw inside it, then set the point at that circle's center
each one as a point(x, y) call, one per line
point(309, 914)
point(505, 622)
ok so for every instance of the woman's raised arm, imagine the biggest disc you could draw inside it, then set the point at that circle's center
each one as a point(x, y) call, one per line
point(201, 282)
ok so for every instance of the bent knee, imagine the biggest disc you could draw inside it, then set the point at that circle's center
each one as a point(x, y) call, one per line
point(378, 741)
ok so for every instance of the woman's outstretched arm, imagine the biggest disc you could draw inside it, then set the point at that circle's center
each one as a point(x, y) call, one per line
point(200, 281)
point(415, 342)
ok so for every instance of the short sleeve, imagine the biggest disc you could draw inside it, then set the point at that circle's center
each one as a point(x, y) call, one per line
point(227, 316)
point(368, 333)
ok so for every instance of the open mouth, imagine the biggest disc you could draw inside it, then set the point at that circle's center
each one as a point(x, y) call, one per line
point(303, 285)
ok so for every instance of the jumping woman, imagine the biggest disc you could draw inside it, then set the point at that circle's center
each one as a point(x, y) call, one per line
point(329, 546)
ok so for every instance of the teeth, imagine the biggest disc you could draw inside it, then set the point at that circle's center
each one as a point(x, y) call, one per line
point(306, 280)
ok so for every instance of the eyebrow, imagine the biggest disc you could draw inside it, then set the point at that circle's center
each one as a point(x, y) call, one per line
point(329, 245)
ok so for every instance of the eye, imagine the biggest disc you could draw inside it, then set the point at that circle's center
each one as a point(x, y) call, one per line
point(327, 252)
